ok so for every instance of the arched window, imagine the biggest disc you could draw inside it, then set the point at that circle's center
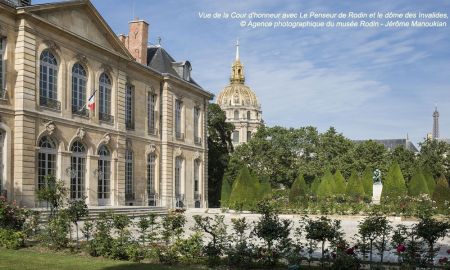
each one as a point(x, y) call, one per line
point(178, 114)
point(105, 98)
point(197, 138)
point(248, 115)
point(151, 176)
point(197, 183)
point(48, 80)
point(2, 160)
point(236, 115)
point(249, 135)
point(129, 106)
point(46, 160)
point(236, 136)
point(178, 176)
point(104, 175)
point(128, 173)
point(77, 170)
point(79, 81)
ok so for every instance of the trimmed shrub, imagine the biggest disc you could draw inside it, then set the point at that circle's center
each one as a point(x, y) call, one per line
point(11, 215)
point(265, 189)
point(245, 189)
point(394, 186)
point(299, 190)
point(326, 186)
point(340, 184)
point(441, 192)
point(11, 239)
point(418, 184)
point(431, 183)
point(225, 193)
point(355, 189)
point(315, 186)
point(367, 181)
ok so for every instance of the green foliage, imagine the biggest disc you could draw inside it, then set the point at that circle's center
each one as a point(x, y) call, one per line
point(245, 189)
point(219, 149)
point(241, 253)
point(265, 190)
point(340, 184)
point(431, 230)
point(11, 239)
point(101, 245)
point(315, 186)
point(77, 209)
point(225, 193)
point(57, 230)
point(431, 183)
point(418, 184)
point(406, 159)
point(217, 231)
point(374, 228)
point(326, 186)
point(367, 182)
point(172, 226)
point(87, 229)
point(441, 192)
point(433, 156)
point(369, 154)
point(54, 193)
point(11, 215)
point(299, 190)
point(355, 188)
point(394, 186)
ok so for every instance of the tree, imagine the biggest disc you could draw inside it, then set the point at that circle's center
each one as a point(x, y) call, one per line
point(77, 209)
point(441, 192)
point(217, 230)
point(394, 186)
point(54, 193)
point(432, 156)
point(430, 230)
point(372, 229)
point(326, 186)
point(315, 186)
point(418, 184)
point(225, 193)
point(219, 148)
point(406, 159)
point(340, 184)
point(265, 190)
point(355, 189)
point(369, 154)
point(367, 181)
point(299, 190)
point(245, 189)
point(431, 183)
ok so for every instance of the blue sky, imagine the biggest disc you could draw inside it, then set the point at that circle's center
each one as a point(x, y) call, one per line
point(367, 83)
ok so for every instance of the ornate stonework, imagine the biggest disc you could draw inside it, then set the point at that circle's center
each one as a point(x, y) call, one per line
point(50, 127)
point(81, 133)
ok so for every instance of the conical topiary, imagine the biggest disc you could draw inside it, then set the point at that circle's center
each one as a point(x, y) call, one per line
point(394, 186)
point(326, 186)
point(418, 184)
point(265, 189)
point(299, 190)
point(245, 189)
point(315, 186)
point(355, 189)
point(441, 192)
point(367, 181)
point(431, 183)
point(225, 193)
point(340, 184)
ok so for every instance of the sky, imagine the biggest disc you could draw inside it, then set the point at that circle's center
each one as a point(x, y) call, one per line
point(368, 83)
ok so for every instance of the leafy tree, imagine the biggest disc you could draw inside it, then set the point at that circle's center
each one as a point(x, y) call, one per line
point(355, 189)
point(217, 230)
point(431, 183)
point(172, 226)
point(430, 230)
point(432, 156)
point(394, 186)
point(373, 228)
point(418, 184)
point(326, 186)
point(299, 190)
point(219, 148)
point(441, 192)
point(406, 159)
point(54, 193)
point(369, 154)
point(367, 181)
point(340, 184)
point(245, 189)
point(225, 193)
point(77, 209)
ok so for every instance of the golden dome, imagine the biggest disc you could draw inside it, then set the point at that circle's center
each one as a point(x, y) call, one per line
point(237, 93)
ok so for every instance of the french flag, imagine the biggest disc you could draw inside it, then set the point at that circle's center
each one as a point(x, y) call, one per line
point(91, 102)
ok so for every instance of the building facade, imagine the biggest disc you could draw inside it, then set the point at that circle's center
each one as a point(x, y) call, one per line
point(240, 104)
point(97, 111)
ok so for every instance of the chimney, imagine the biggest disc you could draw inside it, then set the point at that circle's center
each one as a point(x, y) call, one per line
point(137, 40)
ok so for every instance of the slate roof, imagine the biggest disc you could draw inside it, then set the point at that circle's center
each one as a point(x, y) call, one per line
point(391, 144)
point(160, 60)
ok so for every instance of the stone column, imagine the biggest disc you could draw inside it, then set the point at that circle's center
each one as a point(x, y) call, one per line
point(91, 180)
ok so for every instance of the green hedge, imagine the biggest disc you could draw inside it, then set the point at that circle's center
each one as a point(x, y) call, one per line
point(11, 239)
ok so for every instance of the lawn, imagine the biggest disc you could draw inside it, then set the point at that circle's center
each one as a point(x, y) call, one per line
point(34, 260)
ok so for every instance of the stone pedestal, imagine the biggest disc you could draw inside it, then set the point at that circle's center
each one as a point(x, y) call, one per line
point(377, 188)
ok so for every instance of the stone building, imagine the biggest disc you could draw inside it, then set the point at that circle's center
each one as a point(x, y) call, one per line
point(119, 122)
point(240, 104)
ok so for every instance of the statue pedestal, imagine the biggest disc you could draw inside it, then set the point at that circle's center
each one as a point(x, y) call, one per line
point(377, 188)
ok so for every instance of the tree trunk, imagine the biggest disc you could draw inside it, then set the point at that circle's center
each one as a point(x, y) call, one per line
point(323, 250)
point(370, 255)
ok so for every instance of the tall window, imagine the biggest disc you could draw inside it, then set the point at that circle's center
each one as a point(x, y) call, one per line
point(48, 80)
point(104, 175)
point(129, 107)
point(128, 172)
point(178, 111)
point(197, 125)
point(248, 115)
point(196, 176)
point(78, 170)
point(2, 66)
point(236, 115)
point(151, 176)
point(151, 111)
point(2, 165)
point(178, 171)
point(46, 160)
point(249, 135)
point(105, 98)
point(235, 136)
point(79, 81)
